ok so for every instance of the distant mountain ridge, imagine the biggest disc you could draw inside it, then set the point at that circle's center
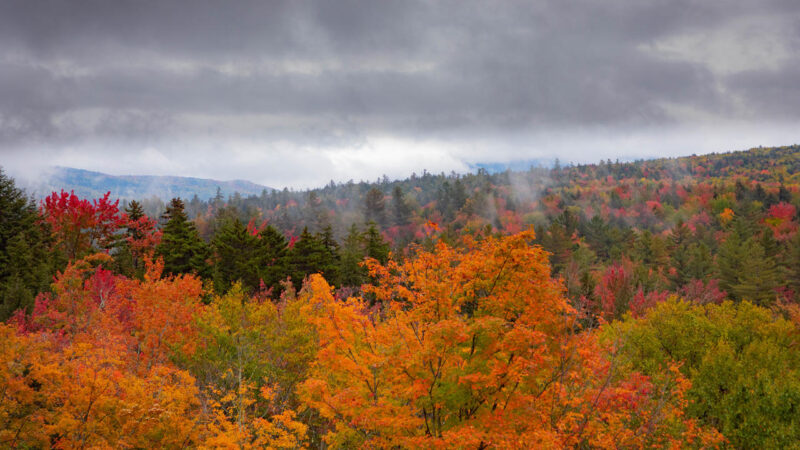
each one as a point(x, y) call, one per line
point(89, 184)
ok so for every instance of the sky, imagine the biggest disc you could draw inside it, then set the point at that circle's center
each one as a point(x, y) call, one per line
point(297, 93)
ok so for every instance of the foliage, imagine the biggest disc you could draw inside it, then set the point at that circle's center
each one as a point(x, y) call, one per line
point(80, 226)
point(477, 347)
point(237, 369)
point(181, 247)
point(742, 362)
point(25, 261)
point(460, 331)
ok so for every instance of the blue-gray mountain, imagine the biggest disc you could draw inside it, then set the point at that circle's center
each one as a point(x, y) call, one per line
point(90, 184)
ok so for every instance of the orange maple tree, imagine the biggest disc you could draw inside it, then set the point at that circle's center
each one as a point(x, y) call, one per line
point(476, 346)
point(93, 366)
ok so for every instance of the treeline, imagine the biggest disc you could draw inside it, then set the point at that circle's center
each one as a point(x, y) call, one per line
point(686, 225)
point(37, 243)
point(472, 346)
point(632, 231)
point(260, 257)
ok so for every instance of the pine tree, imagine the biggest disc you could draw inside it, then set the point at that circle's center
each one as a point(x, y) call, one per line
point(459, 195)
point(181, 247)
point(135, 212)
point(680, 254)
point(700, 263)
point(558, 242)
point(310, 255)
point(445, 201)
point(353, 252)
point(313, 212)
point(730, 261)
point(26, 265)
point(333, 257)
point(597, 234)
point(271, 258)
point(124, 261)
point(746, 271)
point(759, 277)
point(402, 212)
point(374, 245)
point(235, 250)
point(375, 207)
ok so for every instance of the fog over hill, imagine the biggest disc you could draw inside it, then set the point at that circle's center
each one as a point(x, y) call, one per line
point(90, 184)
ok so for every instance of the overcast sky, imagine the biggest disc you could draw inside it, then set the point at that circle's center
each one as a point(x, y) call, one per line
point(296, 93)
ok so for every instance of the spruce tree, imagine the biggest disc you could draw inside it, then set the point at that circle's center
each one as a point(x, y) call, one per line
point(181, 247)
point(26, 264)
point(597, 234)
point(234, 257)
point(271, 258)
point(374, 245)
point(730, 261)
point(124, 261)
point(333, 258)
point(135, 212)
point(746, 272)
point(559, 243)
point(792, 264)
point(310, 255)
point(402, 212)
point(679, 254)
point(700, 264)
point(459, 195)
point(759, 277)
point(375, 207)
point(351, 272)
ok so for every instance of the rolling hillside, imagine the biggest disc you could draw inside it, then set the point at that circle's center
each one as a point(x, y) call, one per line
point(90, 184)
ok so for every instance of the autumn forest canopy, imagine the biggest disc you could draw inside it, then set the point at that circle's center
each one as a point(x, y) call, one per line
point(653, 303)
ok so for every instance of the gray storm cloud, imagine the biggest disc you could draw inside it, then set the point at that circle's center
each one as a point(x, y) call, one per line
point(299, 92)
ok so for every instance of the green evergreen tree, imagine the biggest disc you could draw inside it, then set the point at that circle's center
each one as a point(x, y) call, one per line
point(124, 261)
point(375, 207)
point(680, 254)
point(333, 257)
point(730, 261)
point(234, 258)
point(444, 201)
point(792, 263)
point(759, 277)
point(745, 271)
point(374, 245)
point(271, 258)
point(559, 243)
point(402, 212)
point(459, 195)
point(700, 263)
point(26, 264)
point(135, 212)
point(313, 213)
point(650, 250)
point(353, 252)
point(597, 234)
point(310, 255)
point(181, 247)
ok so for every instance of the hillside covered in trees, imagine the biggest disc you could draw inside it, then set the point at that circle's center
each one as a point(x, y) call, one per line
point(86, 183)
point(645, 304)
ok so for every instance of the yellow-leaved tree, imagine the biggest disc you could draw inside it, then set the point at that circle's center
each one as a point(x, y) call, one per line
point(476, 346)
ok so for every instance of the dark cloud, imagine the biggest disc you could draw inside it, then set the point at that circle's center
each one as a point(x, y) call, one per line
point(339, 73)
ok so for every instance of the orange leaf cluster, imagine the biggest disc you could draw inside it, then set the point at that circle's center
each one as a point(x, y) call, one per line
point(476, 346)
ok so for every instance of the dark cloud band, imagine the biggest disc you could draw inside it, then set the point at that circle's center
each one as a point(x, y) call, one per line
point(321, 73)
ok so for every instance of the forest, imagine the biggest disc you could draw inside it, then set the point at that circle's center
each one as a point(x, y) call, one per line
point(653, 303)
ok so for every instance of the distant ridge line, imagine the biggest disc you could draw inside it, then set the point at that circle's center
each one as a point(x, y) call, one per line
point(91, 184)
